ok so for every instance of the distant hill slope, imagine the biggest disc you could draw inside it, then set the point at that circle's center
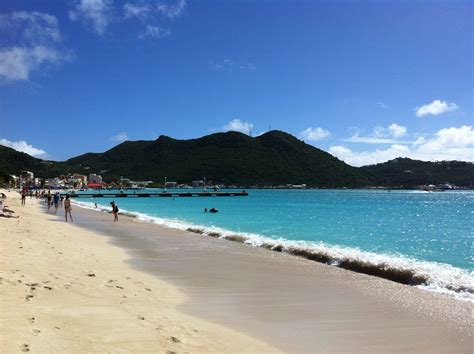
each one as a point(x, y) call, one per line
point(408, 172)
point(14, 162)
point(273, 158)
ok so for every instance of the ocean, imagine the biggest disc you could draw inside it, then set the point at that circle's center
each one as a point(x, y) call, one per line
point(413, 237)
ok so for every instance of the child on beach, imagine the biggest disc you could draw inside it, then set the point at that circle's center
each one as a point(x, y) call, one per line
point(67, 208)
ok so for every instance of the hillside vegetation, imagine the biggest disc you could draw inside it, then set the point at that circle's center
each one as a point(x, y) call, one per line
point(274, 158)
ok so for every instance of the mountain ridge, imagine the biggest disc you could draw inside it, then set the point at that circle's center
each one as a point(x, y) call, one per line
point(273, 158)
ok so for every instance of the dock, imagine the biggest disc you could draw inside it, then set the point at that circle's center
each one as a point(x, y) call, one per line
point(156, 194)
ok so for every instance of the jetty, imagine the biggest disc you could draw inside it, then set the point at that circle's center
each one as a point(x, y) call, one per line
point(155, 194)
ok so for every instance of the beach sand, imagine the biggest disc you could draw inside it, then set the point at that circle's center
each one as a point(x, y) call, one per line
point(237, 297)
point(65, 289)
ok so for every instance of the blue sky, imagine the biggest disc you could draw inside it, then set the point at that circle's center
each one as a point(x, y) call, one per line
point(367, 81)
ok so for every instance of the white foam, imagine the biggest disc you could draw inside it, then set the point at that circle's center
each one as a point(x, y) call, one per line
point(441, 278)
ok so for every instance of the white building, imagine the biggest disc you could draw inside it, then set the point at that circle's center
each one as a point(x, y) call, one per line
point(93, 178)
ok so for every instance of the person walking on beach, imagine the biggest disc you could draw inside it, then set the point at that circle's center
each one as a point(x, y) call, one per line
point(23, 197)
point(56, 201)
point(115, 210)
point(48, 199)
point(67, 208)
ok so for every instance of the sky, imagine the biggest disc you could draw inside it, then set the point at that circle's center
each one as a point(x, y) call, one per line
point(367, 81)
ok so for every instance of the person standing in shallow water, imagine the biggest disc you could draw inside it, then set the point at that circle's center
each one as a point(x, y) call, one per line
point(67, 208)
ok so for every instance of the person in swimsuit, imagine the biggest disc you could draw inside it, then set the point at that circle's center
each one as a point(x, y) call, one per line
point(23, 196)
point(67, 208)
point(115, 210)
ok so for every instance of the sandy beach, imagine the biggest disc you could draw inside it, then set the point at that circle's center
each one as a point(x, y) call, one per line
point(66, 289)
point(96, 285)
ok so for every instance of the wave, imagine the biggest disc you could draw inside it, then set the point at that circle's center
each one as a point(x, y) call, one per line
point(431, 276)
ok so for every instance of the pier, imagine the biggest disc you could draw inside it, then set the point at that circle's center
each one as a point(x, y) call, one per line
point(156, 194)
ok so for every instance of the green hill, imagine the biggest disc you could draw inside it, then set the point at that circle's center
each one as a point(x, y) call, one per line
point(408, 172)
point(14, 162)
point(274, 158)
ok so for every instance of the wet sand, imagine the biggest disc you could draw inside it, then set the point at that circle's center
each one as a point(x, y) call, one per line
point(295, 304)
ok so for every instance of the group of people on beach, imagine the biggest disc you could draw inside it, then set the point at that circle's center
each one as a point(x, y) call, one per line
point(55, 200)
point(58, 201)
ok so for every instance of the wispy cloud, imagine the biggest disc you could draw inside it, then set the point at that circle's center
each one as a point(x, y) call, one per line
point(229, 65)
point(23, 146)
point(95, 14)
point(382, 105)
point(454, 143)
point(239, 126)
point(382, 135)
point(36, 36)
point(314, 134)
point(154, 32)
point(120, 137)
point(435, 108)
point(99, 15)
point(172, 10)
point(141, 11)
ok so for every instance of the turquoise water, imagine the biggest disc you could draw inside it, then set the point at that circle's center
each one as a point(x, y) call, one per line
point(431, 231)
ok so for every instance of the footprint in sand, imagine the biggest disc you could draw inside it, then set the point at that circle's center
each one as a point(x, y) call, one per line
point(174, 339)
point(141, 318)
point(31, 319)
point(28, 297)
point(36, 331)
point(147, 289)
point(48, 287)
point(25, 348)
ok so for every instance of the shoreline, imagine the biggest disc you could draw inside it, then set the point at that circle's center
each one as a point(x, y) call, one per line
point(260, 293)
point(426, 275)
point(64, 288)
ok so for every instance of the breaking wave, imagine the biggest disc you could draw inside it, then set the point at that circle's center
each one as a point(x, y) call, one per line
point(431, 276)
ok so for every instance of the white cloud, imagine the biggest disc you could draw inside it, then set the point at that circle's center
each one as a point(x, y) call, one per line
point(96, 14)
point(382, 105)
point(239, 126)
point(23, 146)
point(154, 32)
point(32, 27)
point(172, 11)
point(141, 11)
point(120, 137)
point(382, 135)
point(18, 62)
point(314, 134)
point(397, 131)
point(36, 36)
point(446, 144)
point(435, 108)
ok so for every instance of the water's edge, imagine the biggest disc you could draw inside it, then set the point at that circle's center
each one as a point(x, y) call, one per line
point(431, 276)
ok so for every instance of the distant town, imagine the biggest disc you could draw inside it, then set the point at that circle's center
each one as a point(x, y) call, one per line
point(93, 181)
